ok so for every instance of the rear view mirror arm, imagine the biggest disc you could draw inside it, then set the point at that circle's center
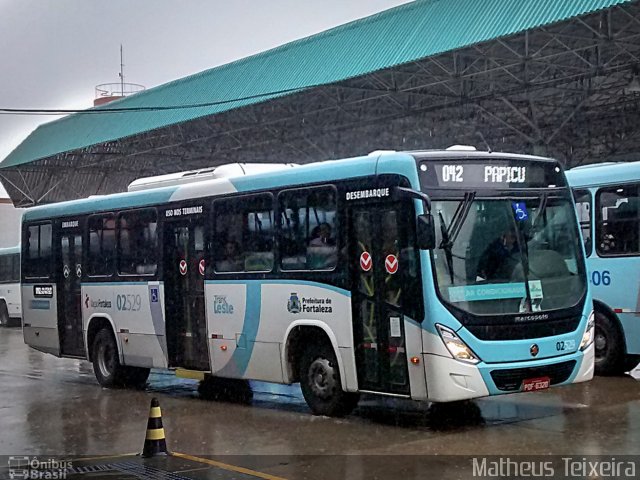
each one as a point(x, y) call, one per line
point(403, 192)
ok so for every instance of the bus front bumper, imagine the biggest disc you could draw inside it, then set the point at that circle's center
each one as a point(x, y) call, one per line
point(451, 380)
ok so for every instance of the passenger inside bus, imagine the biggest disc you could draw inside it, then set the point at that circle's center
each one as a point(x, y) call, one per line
point(321, 236)
point(321, 249)
point(231, 260)
point(498, 259)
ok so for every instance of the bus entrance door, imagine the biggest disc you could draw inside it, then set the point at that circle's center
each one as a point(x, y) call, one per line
point(70, 302)
point(184, 266)
point(376, 248)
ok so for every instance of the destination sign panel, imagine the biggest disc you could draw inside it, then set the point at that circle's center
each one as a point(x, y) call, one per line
point(471, 174)
point(45, 291)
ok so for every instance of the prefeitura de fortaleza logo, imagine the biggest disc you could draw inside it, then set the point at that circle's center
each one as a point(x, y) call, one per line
point(293, 305)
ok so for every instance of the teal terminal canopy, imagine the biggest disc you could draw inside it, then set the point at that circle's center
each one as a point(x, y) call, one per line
point(541, 76)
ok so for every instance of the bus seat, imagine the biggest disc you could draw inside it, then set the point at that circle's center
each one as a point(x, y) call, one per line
point(258, 262)
point(294, 262)
point(321, 257)
point(543, 264)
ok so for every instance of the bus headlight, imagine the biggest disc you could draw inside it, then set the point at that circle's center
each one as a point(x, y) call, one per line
point(587, 337)
point(456, 346)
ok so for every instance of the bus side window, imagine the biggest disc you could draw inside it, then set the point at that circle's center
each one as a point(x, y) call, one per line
point(308, 229)
point(618, 228)
point(6, 270)
point(38, 251)
point(102, 245)
point(244, 234)
point(137, 242)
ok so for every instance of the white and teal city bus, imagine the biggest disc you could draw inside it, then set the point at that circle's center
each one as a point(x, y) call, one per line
point(435, 275)
point(10, 310)
point(607, 198)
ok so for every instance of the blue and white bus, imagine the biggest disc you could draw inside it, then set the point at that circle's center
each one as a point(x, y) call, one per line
point(433, 275)
point(10, 310)
point(607, 198)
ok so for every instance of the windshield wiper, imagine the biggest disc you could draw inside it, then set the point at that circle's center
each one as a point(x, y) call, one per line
point(542, 206)
point(450, 233)
point(446, 244)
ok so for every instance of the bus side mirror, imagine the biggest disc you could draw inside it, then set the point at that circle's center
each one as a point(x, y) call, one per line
point(426, 232)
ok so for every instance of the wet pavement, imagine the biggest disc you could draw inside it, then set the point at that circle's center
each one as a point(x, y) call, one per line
point(52, 406)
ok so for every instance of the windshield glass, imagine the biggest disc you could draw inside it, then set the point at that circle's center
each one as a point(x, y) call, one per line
point(508, 255)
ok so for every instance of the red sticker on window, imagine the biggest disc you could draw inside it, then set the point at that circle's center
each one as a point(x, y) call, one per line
point(183, 267)
point(391, 264)
point(201, 267)
point(366, 262)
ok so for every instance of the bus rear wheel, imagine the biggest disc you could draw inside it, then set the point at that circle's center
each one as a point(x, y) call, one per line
point(321, 384)
point(609, 346)
point(106, 364)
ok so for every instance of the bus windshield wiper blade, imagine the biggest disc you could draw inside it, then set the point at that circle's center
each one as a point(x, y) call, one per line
point(450, 233)
point(460, 216)
point(446, 245)
point(542, 206)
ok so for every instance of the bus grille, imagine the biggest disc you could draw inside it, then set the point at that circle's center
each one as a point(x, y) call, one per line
point(510, 380)
point(524, 331)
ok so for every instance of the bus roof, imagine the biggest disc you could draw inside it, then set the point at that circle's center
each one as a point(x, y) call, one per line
point(309, 173)
point(211, 173)
point(379, 162)
point(608, 173)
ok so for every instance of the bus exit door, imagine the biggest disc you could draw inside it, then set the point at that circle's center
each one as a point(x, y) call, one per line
point(383, 267)
point(184, 266)
point(69, 296)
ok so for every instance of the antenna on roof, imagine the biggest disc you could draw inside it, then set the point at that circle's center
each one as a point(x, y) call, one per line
point(107, 92)
point(121, 70)
point(479, 133)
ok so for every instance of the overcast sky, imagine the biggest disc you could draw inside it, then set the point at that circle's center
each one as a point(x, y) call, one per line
point(54, 52)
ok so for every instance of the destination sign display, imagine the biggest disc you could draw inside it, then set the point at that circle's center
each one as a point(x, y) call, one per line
point(472, 174)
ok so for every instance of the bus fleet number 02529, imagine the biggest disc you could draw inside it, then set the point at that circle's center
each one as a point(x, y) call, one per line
point(128, 303)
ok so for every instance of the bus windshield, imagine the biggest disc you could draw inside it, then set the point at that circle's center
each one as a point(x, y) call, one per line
point(508, 256)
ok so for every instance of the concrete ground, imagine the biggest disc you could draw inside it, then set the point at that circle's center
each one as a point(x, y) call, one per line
point(51, 406)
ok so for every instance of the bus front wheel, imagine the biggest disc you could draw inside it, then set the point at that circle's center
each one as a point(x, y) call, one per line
point(321, 384)
point(609, 345)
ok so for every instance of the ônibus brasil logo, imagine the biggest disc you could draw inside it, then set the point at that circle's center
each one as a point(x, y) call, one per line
point(28, 468)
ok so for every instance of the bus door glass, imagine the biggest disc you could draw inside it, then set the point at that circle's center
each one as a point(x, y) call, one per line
point(383, 265)
point(184, 268)
point(69, 301)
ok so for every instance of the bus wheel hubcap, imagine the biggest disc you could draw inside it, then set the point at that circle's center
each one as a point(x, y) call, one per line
point(105, 361)
point(601, 342)
point(321, 378)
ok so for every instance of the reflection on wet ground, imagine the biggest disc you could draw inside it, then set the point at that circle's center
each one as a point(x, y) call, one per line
point(53, 406)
